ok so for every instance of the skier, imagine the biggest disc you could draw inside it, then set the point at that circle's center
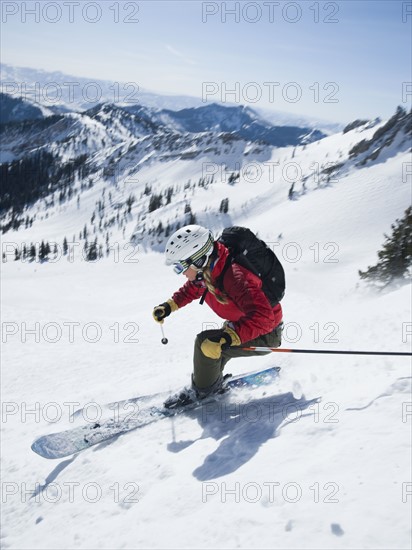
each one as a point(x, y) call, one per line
point(250, 319)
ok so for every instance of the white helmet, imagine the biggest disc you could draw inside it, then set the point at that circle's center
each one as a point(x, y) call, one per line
point(189, 245)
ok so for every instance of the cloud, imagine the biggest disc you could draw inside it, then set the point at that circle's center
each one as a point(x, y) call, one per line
point(180, 55)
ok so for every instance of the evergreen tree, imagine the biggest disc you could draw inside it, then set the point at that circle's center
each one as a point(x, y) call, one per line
point(395, 257)
point(131, 199)
point(169, 195)
point(190, 217)
point(32, 253)
point(155, 202)
point(42, 252)
point(65, 246)
point(107, 244)
point(92, 251)
point(233, 177)
point(224, 206)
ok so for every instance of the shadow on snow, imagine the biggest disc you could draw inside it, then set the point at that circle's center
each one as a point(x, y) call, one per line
point(241, 429)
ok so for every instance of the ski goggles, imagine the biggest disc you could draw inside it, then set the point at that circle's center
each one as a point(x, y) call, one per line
point(183, 265)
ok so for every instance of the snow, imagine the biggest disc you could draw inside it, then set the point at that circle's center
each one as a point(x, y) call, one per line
point(73, 97)
point(331, 473)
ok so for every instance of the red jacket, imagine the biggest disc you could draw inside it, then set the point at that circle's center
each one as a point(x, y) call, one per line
point(248, 308)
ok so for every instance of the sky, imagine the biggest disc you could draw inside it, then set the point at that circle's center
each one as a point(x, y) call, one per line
point(333, 60)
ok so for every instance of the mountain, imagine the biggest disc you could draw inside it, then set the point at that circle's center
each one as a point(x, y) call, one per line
point(17, 109)
point(108, 136)
point(120, 122)
point(388, 138)
point(243, 121)
point(60, 90)
point(156, 163)
point(159, 166)
point(56, 154)
point(65, 93)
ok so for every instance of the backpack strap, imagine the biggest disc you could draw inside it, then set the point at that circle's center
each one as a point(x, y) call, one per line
point(219, 280)
point(202, 299)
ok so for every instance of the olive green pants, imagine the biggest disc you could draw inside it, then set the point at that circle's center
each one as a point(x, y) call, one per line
point(206, 371)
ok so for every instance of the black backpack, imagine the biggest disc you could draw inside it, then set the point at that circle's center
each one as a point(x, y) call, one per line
point(252, 253)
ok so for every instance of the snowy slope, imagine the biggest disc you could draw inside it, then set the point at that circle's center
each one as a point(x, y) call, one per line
point(259, 471)
point(198, 168)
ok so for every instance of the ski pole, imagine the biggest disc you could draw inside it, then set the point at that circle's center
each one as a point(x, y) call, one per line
point(164, 340)
point(339, 352)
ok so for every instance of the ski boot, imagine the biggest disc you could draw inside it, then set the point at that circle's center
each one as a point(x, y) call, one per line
point(192, 394)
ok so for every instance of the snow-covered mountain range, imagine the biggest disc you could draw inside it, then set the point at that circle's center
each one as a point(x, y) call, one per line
point(64, 93)
point(69, 92)
point(157, 166)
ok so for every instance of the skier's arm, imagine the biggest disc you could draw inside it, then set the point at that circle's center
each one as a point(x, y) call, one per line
point(187, 293)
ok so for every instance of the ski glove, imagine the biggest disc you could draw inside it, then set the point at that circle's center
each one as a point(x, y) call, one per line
point(164, 310)
point(212, 346)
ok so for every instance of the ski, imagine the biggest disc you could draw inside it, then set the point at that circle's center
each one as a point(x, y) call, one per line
point(126, 406)
point(74, 440)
